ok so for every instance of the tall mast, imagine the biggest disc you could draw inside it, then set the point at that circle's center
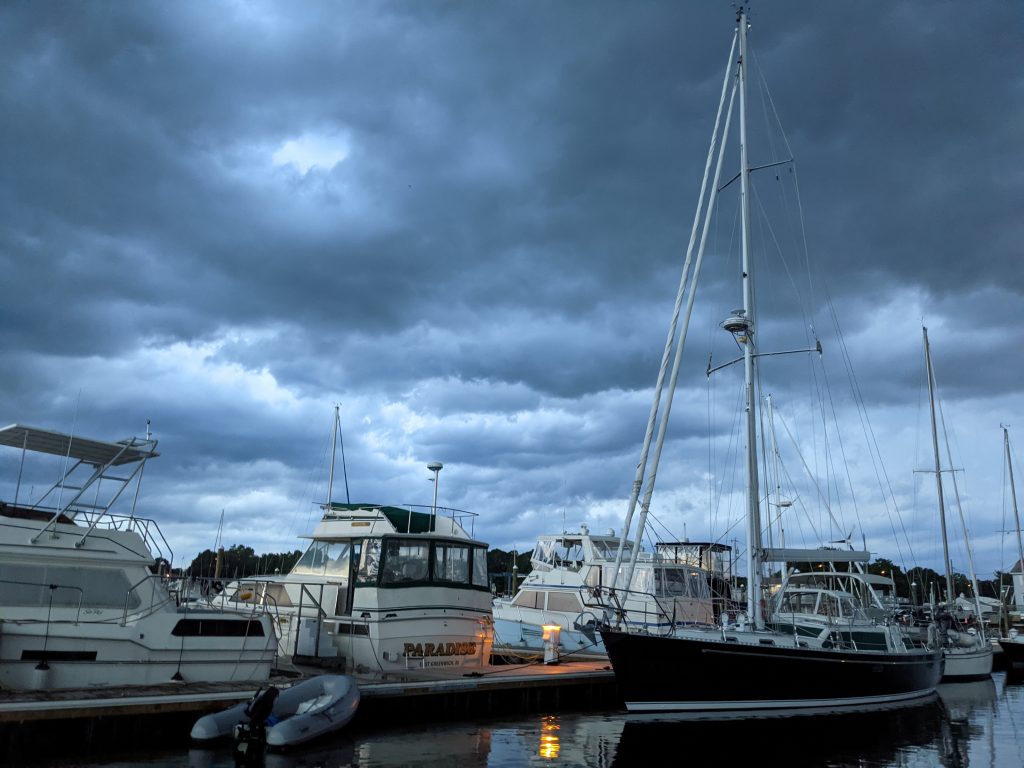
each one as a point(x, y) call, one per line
point(1013, 495)
point(938, 467)
point(334, 448)
point(754, 553)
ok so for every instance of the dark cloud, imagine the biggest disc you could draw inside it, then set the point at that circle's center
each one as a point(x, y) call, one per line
point(466, 223)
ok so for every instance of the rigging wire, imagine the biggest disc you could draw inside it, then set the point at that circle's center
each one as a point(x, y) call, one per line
point(873, 450)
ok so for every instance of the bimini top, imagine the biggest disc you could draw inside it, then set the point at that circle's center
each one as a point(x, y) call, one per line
point(95, 452)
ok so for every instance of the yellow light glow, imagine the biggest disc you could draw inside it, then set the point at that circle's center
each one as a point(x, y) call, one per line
point(549, 743)
point(549, 630)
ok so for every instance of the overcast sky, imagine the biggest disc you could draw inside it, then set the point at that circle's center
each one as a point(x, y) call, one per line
point(465, 224)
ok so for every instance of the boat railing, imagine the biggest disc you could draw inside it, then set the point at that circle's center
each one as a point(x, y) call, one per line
point(92, 519)
point(256, 592)
point(160, 596)
point(633, 609)
point(462, 518)
point(146, 602)
point(52, 589)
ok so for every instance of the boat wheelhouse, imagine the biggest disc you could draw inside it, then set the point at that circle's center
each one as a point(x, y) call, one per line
point(86, 598)
point(381, 589)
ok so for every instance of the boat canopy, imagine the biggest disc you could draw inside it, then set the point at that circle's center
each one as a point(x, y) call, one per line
point(95, 452)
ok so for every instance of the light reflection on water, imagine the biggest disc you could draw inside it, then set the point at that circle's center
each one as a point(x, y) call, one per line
point(967, 724)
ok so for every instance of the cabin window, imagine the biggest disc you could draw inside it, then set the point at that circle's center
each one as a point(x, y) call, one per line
point(262, 593)
point(559, 553)
point(608, 575)
point(405, 561)
point(480, 567)
point(699, 587)
point(847, 607)
point(609, 550)
point(828, 606)
point(567, 602)
point(798, 602)
point(643, 581)
point(673, 582)
point(369, 562)
point(451, 563)
point(338, 555)
point(529, 598)
point(88, 587)
point(218, 628)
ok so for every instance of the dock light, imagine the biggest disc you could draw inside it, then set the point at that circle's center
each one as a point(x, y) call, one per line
point(550, 637)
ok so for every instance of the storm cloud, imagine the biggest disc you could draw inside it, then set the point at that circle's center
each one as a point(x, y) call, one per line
point(465, 223)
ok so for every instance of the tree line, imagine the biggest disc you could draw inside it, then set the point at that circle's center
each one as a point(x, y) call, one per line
point(239, 561)
point(917, 584)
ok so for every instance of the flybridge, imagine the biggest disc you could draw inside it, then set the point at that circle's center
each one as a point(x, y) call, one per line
point(96, 464)
point(411, 518)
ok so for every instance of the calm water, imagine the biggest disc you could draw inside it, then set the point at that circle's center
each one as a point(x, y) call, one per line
point(967, 724)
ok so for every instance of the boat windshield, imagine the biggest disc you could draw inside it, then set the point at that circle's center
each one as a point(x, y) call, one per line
point(608, 549)
point(324, 558)
point(562, 553)
point(837, 605)
point(669, 582)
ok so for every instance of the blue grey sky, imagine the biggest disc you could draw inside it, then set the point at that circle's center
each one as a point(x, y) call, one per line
point(465, 223)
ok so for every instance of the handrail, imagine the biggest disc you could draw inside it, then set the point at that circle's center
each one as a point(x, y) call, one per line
point(52, 587)
point(622, 613)
point(153, 604)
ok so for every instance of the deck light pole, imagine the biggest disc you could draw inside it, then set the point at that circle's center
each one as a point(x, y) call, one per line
point(435, 467)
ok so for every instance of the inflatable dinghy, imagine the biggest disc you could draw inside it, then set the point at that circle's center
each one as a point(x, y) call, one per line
point(284, 717)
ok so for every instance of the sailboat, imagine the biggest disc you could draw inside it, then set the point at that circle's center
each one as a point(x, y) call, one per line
point(1012, 642)
point(967, 652)
point(758, 662)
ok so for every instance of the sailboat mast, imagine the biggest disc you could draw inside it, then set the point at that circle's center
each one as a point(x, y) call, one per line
point(938, 467)
point(754, 553)
point(334, 448)
point(1013, 496)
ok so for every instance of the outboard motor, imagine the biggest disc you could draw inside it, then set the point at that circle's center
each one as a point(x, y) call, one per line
point(250, 737)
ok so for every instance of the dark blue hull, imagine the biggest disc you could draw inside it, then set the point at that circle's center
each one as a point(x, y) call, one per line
point(680, 674)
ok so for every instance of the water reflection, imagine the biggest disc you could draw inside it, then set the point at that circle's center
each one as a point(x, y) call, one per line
point(873, 738)
point(964, 724)
point(549, 744)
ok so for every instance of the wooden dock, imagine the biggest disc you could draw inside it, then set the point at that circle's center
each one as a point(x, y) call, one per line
point(96, 720)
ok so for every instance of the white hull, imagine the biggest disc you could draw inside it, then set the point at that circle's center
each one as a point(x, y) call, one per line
point(522, 637)
point(967, 663)
point(104, 655)
point(391, 645)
